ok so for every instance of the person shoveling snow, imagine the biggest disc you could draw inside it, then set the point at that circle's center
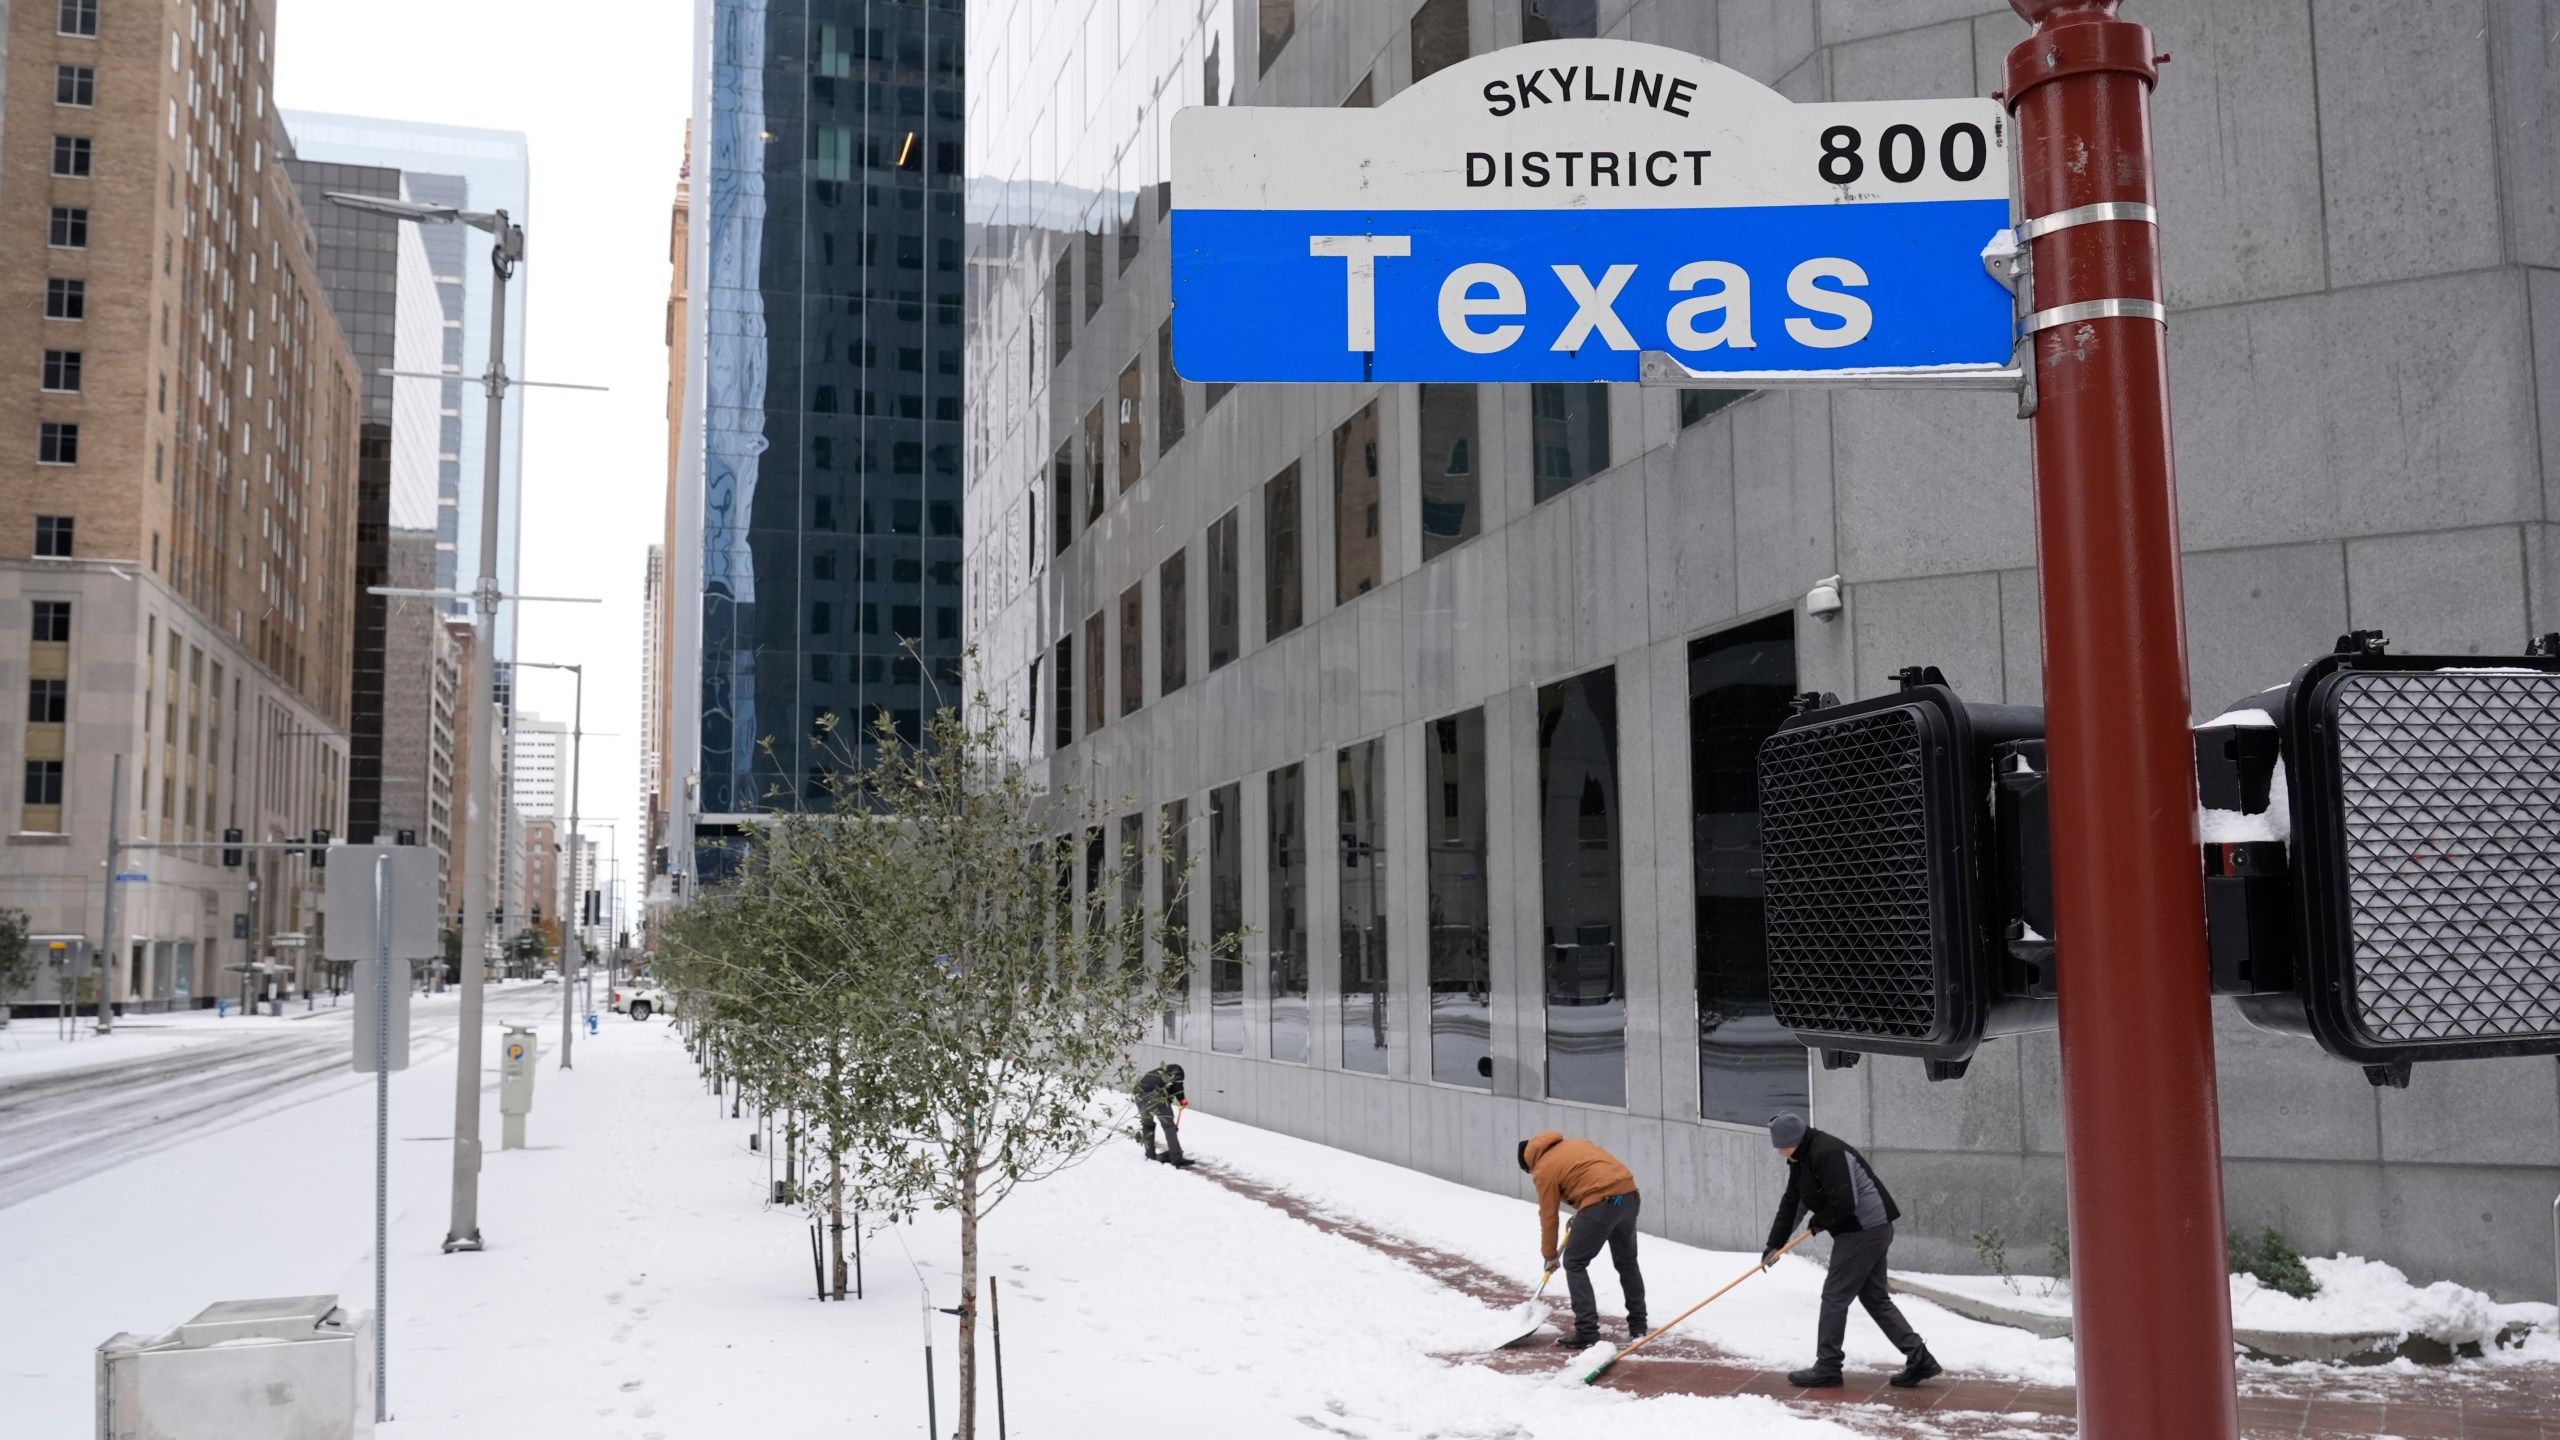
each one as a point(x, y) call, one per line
point(1602, 1192)
point(1160, 1101)
point(1830, 1181)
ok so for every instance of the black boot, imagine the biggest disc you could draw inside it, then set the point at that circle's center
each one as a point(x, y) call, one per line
point(1576, 1342)
point(1815, 1377)
point(1918, 1366)
point(1637, 1330)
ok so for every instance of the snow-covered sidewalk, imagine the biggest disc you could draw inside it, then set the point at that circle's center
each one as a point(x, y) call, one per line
point(637, 1285)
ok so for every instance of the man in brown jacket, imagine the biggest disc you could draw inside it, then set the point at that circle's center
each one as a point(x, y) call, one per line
point(1603, 1195)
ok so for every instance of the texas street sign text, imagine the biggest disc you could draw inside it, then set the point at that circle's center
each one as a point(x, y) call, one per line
point(1551, 211)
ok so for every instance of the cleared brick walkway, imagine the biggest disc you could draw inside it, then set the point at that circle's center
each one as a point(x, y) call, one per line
point(2507, 1402)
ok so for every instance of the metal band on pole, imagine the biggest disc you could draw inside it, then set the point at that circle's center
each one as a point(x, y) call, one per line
point(2104, 210)
point(2079, 310)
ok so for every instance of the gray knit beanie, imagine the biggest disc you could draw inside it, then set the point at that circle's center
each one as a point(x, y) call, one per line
point(1787, 1131)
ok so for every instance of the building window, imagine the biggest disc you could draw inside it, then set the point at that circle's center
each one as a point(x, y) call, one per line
point(1063, 698)
point(66, 299)
point(75, 85)
point(1450, 514)
point(1279, 22)
point(1169, 418)
point(58, 443)
point(1586, 976)
point(71, 157)
point(1133, 425)
point(1360, 780)
point(1288, 927)
point(1094, 490)
point(62, 371)
point(1226, 593)
point(1460, 913)
point(1097, 709)
point(1226, 919)
point(1062, 498)
point(1359, 557)
point(77, 17)
point(52, 622)
point(1176, 900)
point(1284, 588)
point(1740, 681)
point(69, 229)
point(1697, 405)
point(1173, 624)
point(46, 701)
point(1093, 266)
point(1062, 307)
point(1439, 36)
point(53, 536)
point(44, 782)
point(1211, 394)
point(1568, 435)
point(1133, 648)
point(1558, 20)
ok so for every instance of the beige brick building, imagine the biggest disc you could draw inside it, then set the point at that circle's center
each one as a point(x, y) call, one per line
point(177, 487)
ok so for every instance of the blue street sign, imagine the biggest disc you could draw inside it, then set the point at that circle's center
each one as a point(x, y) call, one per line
point(131, 879)
point(1552, 211)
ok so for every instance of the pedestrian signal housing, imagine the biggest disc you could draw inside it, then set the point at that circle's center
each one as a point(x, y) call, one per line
point(1899, 877)
point(2397, 896)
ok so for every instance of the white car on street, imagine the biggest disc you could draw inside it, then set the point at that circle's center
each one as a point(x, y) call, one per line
point(640, 1000)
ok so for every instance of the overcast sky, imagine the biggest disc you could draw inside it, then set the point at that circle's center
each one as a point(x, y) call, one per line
point(599, 89)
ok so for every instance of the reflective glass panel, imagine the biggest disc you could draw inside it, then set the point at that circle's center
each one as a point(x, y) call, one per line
point(1359, 558)
point(1287, 930)
point(1226, 593)
point(1586, 976)
point(1450, 513)
point(1360, 781)
point(1568, 436)
point(1284, 594)
point(1226, 919)
point(1740, 681)
point(1175, 896)
point(1461, 928)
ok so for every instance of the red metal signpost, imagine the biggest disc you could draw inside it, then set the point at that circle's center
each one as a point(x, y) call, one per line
point(2142, 1140)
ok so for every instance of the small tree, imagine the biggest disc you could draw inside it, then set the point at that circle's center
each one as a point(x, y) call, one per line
point(1005, 1028)
point(18, 965)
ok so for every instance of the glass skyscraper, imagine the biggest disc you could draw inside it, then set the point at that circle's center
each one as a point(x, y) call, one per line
point(817, 555)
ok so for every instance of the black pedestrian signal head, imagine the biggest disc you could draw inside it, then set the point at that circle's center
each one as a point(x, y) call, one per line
point(2423, 804)
point(1887, 926)
point(231, 848)
point(319, 849)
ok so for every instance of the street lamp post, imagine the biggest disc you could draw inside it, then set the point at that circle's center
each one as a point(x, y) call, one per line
point(505, 250)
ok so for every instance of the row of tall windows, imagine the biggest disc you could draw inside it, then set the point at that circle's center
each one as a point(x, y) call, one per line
point(1740, 681)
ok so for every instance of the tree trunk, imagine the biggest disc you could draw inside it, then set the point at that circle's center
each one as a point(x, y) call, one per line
point(791, 1153)
point(968, 1300)
point(835, 1216)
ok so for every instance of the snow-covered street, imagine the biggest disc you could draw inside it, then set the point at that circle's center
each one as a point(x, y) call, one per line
point(637, 1285)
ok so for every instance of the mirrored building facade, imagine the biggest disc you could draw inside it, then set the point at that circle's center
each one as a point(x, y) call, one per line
point(816, 564)
point(1507, 652)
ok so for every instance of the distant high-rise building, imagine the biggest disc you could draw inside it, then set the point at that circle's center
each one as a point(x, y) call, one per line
point(537, 779)
point(653, 690)
point(177, 492)
point(815, 565)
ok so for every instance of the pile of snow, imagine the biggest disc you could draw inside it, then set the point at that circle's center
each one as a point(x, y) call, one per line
point(2231, 827)
point(2367, 1297)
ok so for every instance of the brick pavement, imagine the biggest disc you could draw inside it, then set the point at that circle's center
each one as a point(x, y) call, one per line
point(2299, 1402)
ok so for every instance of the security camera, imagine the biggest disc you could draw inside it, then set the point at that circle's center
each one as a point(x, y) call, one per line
point(1822, 602)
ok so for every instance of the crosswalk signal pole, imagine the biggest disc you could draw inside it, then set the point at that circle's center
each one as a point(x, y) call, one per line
point(2142, 1139)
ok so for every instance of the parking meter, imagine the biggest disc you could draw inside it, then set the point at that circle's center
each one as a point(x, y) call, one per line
point(515, 1083)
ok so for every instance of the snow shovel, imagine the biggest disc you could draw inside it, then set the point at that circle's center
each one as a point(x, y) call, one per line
point(1593, 1363)
point(1531, 1317)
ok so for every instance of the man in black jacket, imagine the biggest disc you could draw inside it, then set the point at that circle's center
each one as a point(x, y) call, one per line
point(1159, 1093)
point(1829, 1180)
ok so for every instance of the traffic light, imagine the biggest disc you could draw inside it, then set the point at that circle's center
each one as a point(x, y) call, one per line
point(594, 909)
point(231, 848)
point(319, 849)
point(2395, 899)
point(1907, 895)
point(404, 837)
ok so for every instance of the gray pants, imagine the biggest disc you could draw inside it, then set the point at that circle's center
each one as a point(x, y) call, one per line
point(1152, 1116)
point(1611, 1223)
point(1857, 1273)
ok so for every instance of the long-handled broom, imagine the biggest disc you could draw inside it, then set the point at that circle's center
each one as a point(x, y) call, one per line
point(1591, 1364)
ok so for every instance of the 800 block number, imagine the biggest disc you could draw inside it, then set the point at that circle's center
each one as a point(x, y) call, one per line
point(1902, 153)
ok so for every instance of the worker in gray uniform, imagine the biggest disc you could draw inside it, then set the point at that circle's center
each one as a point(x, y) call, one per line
point(1828, 1180)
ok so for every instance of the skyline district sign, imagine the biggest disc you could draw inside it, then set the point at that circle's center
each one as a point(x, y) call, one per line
point(1551, 211)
